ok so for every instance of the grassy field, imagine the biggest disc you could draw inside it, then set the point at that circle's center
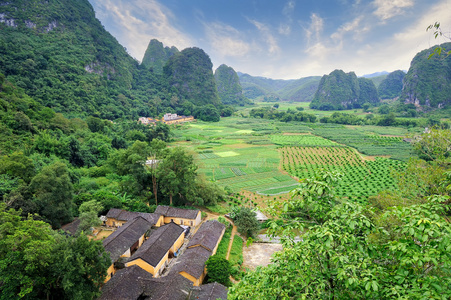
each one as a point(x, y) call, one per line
point(246, 154)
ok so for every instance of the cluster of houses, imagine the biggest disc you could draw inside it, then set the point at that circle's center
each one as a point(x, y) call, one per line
point(167, 119)
point(145, 244)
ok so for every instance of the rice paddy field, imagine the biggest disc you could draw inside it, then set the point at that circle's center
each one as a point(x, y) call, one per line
point(269, 157)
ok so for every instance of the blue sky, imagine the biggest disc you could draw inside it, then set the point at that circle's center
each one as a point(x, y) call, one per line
point(282, 39)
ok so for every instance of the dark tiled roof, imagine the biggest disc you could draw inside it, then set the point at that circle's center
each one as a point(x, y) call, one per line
point(159, 243)
point(192, 261)
point(211, 291)
point(171, 287)
point(123, 215)
point(126, 284)
point(208, 235)
point(123, 238)
point(72, 227)
point(169, 211)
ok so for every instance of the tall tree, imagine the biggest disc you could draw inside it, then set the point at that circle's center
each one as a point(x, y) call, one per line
point(52, 189)
point(177, 173)
point(157, 152)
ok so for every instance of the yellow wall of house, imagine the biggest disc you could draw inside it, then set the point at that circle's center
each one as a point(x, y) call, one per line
point(111, 222)
point(149, 268)
point(141, 241)
point(178, 243)
point(194, 280)
point(110, 271)
point(144, 265)
point(217, 244)
point(160, 221)
point(184, 221)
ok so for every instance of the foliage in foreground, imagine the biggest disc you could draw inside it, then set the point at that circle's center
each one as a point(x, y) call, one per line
point(39, 263)
point(346, 253)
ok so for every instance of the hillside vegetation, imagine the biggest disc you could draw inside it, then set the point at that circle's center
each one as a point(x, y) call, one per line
point(340, 90)
point(272, 90)
point(229, 87)
point(428, 81)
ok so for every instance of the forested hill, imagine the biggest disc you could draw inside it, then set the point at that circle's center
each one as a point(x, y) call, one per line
point(391, 86)
point(340, 90)
point(267, 89)
point(61, 55)
point(156, 55)
point(229, 87)
point(428, 81)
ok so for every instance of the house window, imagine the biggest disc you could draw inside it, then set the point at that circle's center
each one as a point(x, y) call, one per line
point(181, 222)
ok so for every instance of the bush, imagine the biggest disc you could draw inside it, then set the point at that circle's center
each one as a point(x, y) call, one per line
point(219, 270)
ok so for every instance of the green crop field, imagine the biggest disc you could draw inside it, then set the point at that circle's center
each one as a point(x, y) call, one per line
point(362, 178)
point(260, 155)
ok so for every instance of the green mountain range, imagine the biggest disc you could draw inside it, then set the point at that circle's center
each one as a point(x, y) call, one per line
point(60, 54)
point(428, 81)
point(266, 89)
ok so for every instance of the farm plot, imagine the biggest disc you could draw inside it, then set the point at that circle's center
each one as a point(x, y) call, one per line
point(360, 178)
point(366, 140)
point(301, 140)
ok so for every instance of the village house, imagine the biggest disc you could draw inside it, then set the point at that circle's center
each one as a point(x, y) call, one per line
point(134, 283)
point(118, 217)
point(124, 241)
point(188, 217)
point(168, 118)
point(208, 236)
point(210, 291)
point(204, 244)
point(72, 227)
point(153, 256)
point(174, 118)
point(191, 265)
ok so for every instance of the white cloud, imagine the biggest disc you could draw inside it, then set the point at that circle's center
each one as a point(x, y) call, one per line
point(269, 39)
point(386, 9)
point(315, 29)
point(287, 12)
point(226, 40)
point(284, 29)
point(137, 22)
point(355, 28)
point(289, 8)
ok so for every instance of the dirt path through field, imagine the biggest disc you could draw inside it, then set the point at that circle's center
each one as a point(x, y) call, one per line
point(231, 240)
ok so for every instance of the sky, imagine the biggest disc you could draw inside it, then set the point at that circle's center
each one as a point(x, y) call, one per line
point(283, 39)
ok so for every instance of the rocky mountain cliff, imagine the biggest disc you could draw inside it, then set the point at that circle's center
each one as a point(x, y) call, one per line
point(428, 81)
